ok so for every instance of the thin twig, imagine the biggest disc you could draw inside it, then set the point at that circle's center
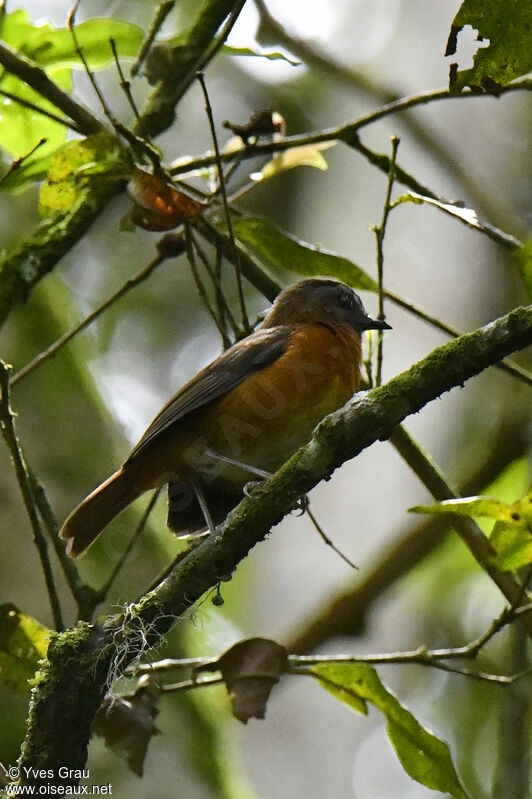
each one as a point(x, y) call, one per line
point(167, 664)
point(156, 25)
point(327, 540)
point(223, 308)
point(380, 232)
point(417, 657)
point(125, 84)
point(21, 470)
point(220, 298)
point(139, 144)
point(420, 656)
point(348, 134)
point(34, 107)
point(85, 596)
point(17, 163)
point(221, 184)
point(252, 268)
point(186, 684)
point(508, 366)
point(106, 587)
point(52, 350)
point(362, 81)
point(71, 23)
point(219, 41)
point(229, 174)
point(430, 657)
point(199, 283)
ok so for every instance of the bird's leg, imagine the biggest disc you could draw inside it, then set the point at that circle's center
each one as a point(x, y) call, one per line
point(244, 466)
point(200, 496)
point(248, 488)
point(303, 502)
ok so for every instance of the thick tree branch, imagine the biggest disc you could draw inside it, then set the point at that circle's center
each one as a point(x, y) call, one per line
point(184, 60)
point(84, 661)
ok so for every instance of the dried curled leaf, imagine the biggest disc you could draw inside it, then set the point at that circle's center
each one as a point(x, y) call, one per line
point(127, 724)
point(159, 205)
point(250, 669)
point(262, 123)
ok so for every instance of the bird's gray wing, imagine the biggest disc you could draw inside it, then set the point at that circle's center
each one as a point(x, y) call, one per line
point(247, 356)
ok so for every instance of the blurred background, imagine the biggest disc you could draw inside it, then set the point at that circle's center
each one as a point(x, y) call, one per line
point(80, 413)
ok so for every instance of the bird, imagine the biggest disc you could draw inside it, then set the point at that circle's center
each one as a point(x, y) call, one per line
point(244, 414)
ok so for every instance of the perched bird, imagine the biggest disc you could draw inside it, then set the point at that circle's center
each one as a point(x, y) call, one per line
point(242, 415)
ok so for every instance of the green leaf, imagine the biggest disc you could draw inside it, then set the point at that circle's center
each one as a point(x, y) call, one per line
point(23, 642)
point(56, 47)
point(78, 168)
point(53, 48)
point(508, 26)
point(332, 678)
point(247, 51)
point(513, 546)
point(288, 253)
point(517, 514)
point(21, 128)
point(524, 261)
point(423, 756)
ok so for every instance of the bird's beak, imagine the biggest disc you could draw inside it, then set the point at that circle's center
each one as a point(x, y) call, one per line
point(376, 324)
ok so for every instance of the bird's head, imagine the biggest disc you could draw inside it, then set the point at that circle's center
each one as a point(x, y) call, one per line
point(321, 300)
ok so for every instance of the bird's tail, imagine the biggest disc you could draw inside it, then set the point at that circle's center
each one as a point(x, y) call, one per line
point(87, 521)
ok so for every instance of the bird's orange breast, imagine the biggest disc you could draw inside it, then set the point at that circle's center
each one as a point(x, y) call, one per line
point(264, 419)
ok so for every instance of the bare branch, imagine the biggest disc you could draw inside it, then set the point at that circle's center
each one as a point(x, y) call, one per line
point(24, 480)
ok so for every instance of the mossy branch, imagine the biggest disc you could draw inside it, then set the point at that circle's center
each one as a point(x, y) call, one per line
point(82, 662)
point(183, 61)
point(22, 267)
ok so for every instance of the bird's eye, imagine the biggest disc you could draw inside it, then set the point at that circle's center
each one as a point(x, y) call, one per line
point(346, 300)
